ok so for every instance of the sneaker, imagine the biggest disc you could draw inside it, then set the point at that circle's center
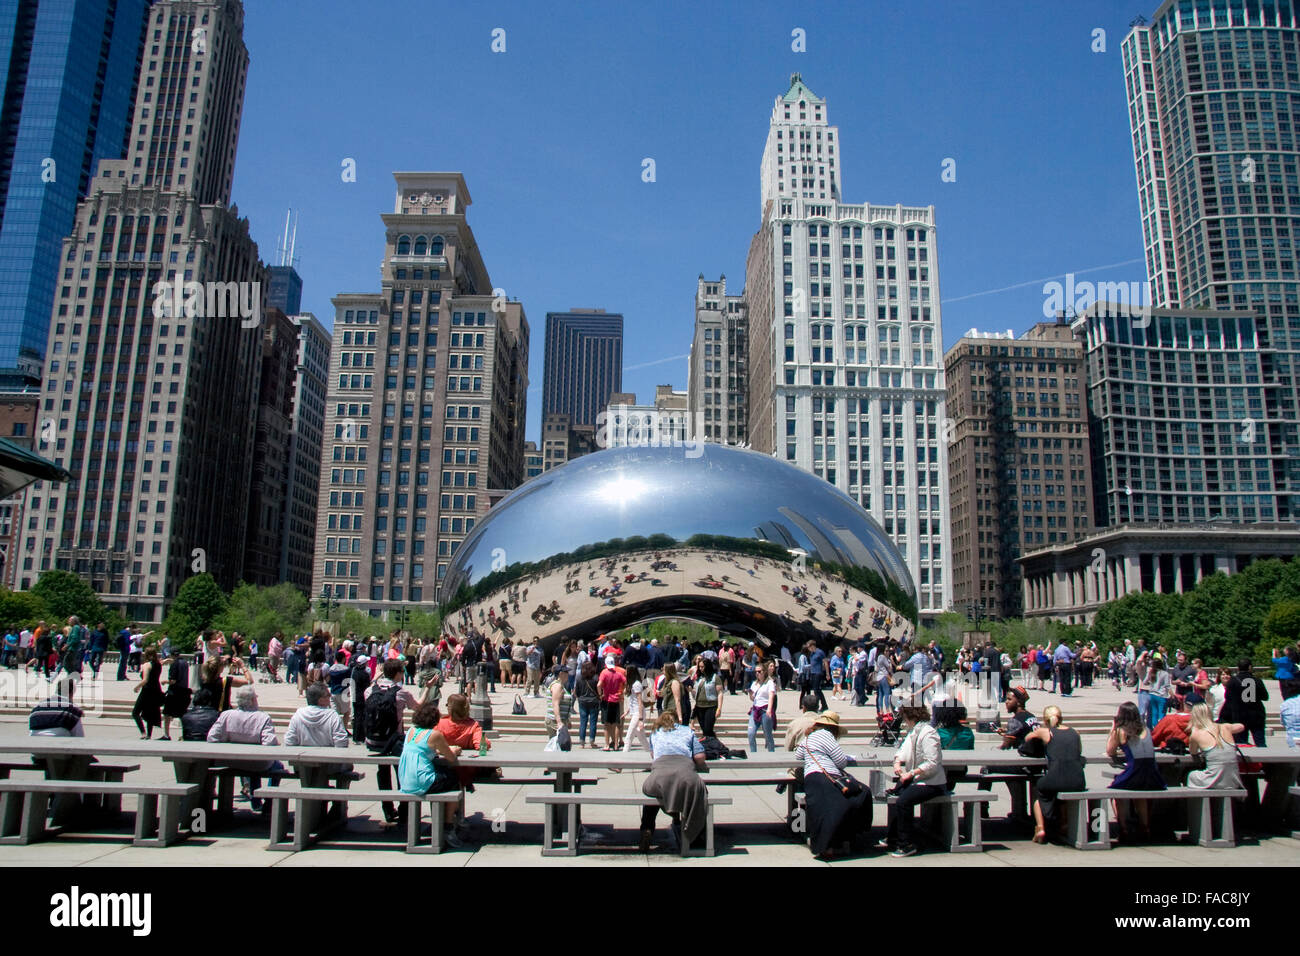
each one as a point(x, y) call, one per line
point(884, 845)
point(903, 851)
point(453, 840)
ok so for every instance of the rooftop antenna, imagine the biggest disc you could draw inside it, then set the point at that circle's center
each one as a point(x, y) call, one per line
point(289, 240)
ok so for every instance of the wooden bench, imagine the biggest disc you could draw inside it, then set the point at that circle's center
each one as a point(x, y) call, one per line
point(279, 798)
point(23, 806)
point(572, 801)
point(1200, 813)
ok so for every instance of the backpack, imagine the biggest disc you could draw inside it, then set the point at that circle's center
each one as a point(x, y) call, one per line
point(472, 652)
point(381, 714)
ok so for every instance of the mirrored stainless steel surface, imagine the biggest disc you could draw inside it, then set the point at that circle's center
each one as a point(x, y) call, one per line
point(726, 536)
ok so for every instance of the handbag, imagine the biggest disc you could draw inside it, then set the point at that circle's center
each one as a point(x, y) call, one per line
point(849, 786)
point(518, 709)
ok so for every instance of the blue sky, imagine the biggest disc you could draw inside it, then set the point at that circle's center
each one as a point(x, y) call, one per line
point(551, 135)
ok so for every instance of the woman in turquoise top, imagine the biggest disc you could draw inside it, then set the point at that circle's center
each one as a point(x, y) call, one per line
point(426, 765)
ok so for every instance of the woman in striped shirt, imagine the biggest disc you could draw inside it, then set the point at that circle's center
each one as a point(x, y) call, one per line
point(839, 808)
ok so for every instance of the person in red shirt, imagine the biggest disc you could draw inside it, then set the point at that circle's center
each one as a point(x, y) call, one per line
point(461, 730)
point(610, 687)
point(1173, 726)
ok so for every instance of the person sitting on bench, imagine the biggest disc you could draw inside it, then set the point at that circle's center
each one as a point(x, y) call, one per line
point(1065, 762)
point(918, 770)
point(674, 781)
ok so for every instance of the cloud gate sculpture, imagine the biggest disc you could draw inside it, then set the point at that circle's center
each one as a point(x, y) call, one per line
point(731, 538)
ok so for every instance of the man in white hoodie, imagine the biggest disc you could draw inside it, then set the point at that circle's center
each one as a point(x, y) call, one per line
point(316, 724)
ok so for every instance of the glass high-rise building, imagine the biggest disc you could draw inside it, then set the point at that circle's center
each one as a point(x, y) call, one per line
point(583, 365)
point(67, 79)
point(150, 400)
point(1214, 104)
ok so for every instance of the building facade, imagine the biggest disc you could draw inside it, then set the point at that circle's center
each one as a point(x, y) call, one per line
point(67, 81)
point(1215, 108)
point(152, 366)
point(1180, 418)
point(583, 363)
point(272, 446)
point(310, 388)
point(1019, 458)
point(1069, 582)
point(18, 424)
point(718, 381)
point(625, 423)
point(846, 371)
point(425, 412)
point(533, 460)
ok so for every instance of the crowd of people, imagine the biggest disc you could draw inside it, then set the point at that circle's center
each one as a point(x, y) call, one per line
point(665, 697)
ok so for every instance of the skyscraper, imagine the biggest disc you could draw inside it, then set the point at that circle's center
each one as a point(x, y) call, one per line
point(151, 374)
point(1019, 461)
point(425, 414)
point(310, 388)
point(718, 381)
point(1214, 106)
point(845, 344)
point(583, 365)
point(67, 80)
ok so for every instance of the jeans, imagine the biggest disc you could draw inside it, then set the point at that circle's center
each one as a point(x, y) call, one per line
point(96, 659)
point(587, 716)
point(901, 821)
point(1158, 706)
point(884, 696)
point(1144, 706)
point(255, 783)
point(767, 732)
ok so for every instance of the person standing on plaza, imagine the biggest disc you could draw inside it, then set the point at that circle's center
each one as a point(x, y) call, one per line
point(762, 710)
point(386, 702)
point(610, 685)
point(818, 673)
point(708, 697)
point(534, 659)
point(1243, 703)
point(147, 712)
point(587, 693)
point(636, 694)
point(837, 667)
point(1159, 691)
point(177, 699)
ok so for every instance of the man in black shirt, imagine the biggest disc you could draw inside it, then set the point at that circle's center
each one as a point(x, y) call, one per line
point(1183, 678)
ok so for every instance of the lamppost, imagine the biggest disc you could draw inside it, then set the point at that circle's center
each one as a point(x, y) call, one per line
point(327, 599)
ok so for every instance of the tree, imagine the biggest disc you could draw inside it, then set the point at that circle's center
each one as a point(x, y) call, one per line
point(259, 612)
point(65, 594)
point(19, 609)
point(198, 603)
point(1281, 626)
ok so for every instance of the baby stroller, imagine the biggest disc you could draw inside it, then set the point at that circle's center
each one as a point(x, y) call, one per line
point(888, 729)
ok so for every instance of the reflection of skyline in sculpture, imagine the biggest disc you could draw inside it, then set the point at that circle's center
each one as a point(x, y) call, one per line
point(631, 533)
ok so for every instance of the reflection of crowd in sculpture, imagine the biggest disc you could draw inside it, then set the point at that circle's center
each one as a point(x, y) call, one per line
point(822, 602)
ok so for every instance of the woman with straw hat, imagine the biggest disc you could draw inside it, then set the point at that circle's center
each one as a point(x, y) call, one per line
point(839, 808)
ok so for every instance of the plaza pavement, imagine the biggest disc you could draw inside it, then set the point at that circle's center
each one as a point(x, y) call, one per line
point(759, 837)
